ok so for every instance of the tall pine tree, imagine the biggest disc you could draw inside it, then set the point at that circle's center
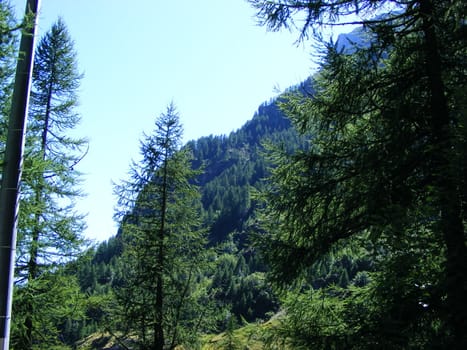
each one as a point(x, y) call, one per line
point(50, 230)
point(164, 246)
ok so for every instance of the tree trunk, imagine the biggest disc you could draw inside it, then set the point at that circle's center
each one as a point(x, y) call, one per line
point(179, 309)
point(158, 327)
point(33, 251)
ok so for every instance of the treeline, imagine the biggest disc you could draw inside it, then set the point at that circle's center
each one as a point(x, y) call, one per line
point(338, 208)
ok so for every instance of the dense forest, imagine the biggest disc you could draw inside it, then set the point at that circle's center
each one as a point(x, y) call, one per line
point(333, 219)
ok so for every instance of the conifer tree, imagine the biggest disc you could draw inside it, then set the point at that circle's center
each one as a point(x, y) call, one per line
point(386, 157)
point(164, 246)
point(50, 230)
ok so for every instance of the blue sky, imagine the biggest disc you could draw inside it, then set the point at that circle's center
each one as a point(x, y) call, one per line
point(207, 56)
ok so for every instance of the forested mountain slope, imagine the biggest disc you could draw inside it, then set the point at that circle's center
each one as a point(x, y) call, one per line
point(233, 164)
point(231, 168)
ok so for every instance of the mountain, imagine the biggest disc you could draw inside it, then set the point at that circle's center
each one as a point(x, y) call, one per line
point(359, 37)
point(235, 164)
point(233, 167)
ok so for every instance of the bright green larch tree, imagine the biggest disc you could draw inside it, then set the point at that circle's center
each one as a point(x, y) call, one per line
point(164, 250)
point(50, 230)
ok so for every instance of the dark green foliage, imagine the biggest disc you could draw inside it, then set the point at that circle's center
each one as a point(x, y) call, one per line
point(234, 164)
point(234, 168)
point(98, 272)
point(383, 165)
point(245, 293)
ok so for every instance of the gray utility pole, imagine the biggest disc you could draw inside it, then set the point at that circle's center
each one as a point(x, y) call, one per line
point(11, 175)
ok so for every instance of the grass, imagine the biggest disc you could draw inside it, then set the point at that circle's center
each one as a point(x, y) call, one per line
point(251, 336)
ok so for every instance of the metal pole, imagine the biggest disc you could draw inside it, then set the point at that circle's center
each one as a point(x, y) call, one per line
point(11, 175)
